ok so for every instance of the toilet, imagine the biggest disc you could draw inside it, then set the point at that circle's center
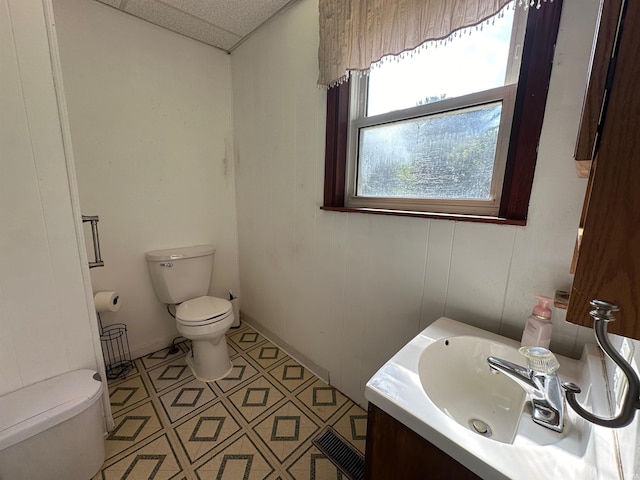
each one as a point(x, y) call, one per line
point(181, 277)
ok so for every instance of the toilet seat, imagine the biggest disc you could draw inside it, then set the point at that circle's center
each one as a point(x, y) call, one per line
point(203, 311)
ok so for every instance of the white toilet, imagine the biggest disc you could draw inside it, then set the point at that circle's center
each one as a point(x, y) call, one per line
point(181, 277)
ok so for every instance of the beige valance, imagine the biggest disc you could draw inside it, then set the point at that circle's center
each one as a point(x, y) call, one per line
point(356, 33)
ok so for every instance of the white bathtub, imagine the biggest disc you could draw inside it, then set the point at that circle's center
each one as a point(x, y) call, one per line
point(53, 430)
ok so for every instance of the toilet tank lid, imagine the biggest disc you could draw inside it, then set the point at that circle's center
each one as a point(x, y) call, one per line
point(37, 407)
point(178, 253)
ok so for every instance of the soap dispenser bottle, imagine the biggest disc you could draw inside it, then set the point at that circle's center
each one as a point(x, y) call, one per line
point(537, 330)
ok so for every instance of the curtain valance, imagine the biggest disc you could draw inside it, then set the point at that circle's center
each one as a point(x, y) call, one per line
point(356, 33)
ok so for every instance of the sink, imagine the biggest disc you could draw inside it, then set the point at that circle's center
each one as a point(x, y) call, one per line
point(456, 378)
point(440, 386)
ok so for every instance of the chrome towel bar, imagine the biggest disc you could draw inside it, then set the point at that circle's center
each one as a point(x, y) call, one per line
point(93, 219)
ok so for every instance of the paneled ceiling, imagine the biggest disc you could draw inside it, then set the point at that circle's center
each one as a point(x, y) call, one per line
point(219, 23)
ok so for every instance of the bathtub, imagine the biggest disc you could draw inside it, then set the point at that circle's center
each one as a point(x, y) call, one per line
point(53, 430)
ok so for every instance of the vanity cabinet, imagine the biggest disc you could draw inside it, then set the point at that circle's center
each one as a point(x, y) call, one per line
point(396, 452)
point(608, 258)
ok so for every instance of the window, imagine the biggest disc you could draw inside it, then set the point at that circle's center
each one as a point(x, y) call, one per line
point(459, 144)
point(430, 132)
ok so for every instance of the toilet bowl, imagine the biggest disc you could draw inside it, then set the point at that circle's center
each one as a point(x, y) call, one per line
point(204, 321)
point(181, 277)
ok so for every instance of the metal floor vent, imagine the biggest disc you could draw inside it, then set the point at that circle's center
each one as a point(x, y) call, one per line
point(344, 456)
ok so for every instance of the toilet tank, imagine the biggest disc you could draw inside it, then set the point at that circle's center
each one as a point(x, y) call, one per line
point(180, 274)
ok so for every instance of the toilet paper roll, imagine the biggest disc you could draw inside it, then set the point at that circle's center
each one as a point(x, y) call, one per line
point(107, 301)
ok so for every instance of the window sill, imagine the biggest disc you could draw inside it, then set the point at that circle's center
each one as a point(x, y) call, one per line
point(438, 216)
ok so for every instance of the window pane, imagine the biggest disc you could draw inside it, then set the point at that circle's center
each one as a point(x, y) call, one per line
point(444, 156)
point(467, 64)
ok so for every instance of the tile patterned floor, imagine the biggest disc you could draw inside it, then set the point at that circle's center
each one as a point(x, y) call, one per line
point(257, 423)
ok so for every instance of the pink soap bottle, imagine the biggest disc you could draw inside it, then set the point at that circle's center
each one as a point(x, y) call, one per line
point(537, 330)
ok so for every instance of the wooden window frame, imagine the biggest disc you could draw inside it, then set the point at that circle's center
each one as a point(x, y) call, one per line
point(531, 97)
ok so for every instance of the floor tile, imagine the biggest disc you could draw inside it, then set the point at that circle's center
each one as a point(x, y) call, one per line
point(155, 460)
point(127, 393)
point(206, 431)
point(267, 354)
point(134, 370)
point(185, 345)
point(241, 372)
point(290, 374)
point(322, 399)
point(257, 423)
point(240, 460)
point(183, 400)
point(285, 430)
point(245, 339)
point(256, 398)
point(312, 464)
point(159, 357)
point(352, 425)
point(131, 428)
point(170, 374)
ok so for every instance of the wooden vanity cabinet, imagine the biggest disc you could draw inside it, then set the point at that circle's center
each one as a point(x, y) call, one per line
point(396, 452)
point(608, 259)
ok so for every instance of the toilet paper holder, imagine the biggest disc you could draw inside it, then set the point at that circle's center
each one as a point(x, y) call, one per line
point(115, 349)
point(93, 219)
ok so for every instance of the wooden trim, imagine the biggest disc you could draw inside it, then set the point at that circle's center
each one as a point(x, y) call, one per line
point(438, 216)
point(539, 46)
point(335, 164)
point(531, 99)
point(598, 71)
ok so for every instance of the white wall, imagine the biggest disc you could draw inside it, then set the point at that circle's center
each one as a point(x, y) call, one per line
point(150, 114)
point(348, 290)
point(44, 316)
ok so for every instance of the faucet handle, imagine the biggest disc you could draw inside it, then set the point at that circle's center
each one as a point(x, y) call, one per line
point(603, 310)
point(540, 359)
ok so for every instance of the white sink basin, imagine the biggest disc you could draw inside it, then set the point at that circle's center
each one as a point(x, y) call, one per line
point(440, 383)
point(456, 377)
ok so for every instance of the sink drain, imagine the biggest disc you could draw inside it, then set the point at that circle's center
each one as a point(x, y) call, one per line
point(480, 427)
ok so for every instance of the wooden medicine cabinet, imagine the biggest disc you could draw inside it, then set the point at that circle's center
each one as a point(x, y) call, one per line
point(607, 263)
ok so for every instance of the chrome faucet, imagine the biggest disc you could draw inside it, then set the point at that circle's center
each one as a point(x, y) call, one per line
point(603, 314)
point(540, 382)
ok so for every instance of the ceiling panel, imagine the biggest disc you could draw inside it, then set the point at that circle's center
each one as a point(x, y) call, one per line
point(180, 22)
point(220, 23)
point(238, 16)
